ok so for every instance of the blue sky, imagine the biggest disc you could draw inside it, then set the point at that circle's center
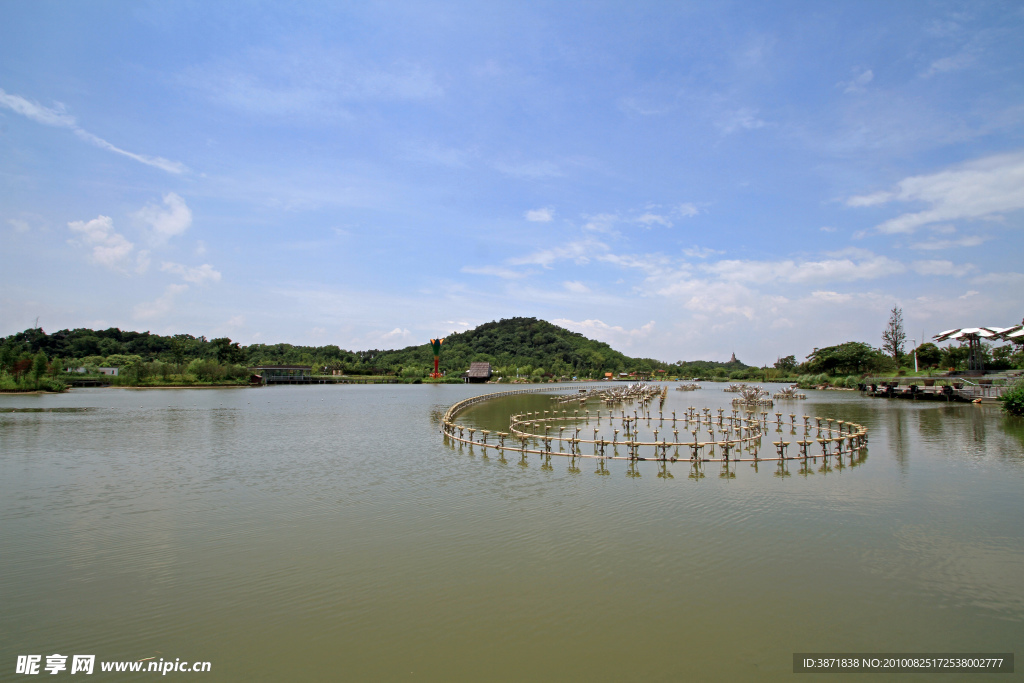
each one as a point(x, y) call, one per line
point(681, 180)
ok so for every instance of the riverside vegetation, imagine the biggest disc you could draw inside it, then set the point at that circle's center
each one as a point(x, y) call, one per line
point(518, 349)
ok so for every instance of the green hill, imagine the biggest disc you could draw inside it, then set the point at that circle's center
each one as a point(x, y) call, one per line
point(523, 346)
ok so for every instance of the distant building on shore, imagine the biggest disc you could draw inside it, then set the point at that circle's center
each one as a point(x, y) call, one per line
point(270, 374)
point(477, 373)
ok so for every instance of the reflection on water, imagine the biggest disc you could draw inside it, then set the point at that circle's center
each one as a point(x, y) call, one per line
point(328, 532)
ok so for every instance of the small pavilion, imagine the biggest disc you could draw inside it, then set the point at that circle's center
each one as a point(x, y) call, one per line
point(478, 373)
point(974, 336)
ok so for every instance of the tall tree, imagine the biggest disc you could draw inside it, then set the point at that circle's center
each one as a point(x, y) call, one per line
point(894, 337)
point(228, 351)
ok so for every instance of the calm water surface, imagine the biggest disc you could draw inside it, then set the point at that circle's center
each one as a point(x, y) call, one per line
point(327, 533)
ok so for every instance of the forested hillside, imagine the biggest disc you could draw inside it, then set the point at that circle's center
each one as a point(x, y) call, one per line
point(523, 346)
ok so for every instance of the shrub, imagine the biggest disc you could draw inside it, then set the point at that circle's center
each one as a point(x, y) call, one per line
point(206, 370)
point(1013, 399)
point(54, 385)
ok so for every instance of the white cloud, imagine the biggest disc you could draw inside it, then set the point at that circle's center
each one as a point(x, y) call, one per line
point(602, 223)
point(109, 248)
point(37, 112)
point(433, 153)
point(157, 162)
point(27, 221)
point(739, 119)
point(649, 263)
point(397, 333)
point(831, 297)
point(59, 118)
point(718, 299)
point(161, 306)
point(827, 228)
point(999, 279)
point(634, 105)
point(529, 169)
point(580, 252)
point(650, 219)
point(956, 62)
point(827, 270)
point(937, 267)
point(496, 271)
point(308, 82)
point(934, 245)
point(858, 83)
point(197, 275)
point(544, 215)
point(615, 335)
point(700, 252)
point(986, 188)
point(576, 287)
point(235, 322)
point(170, 223)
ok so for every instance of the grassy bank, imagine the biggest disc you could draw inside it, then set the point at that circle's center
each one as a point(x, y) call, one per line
point(10, 384)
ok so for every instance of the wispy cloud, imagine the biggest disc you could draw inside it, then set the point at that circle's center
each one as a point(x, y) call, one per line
point(602, 222)
point(580, 252)
point(999, 279)
point(27, 221)
point(529, 169)
point(309, 82)
point(986, 188)
point(744, 118)
point(633, 105)
point(576, 287)
point(858, 83)
point(787, 270)
point(940, 267)
point(616, 335)
point(496, 271)
point(196, 274)
point(544, 215)
point(58, 117)
point(161, 306)
point(440, 155)
point(650, 219)
point(936, 245)
point(700, 252)
point(957, 62)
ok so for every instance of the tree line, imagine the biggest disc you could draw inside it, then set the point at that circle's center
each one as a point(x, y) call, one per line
point(526, 348)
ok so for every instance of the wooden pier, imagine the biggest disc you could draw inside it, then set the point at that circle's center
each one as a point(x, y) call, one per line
point(965, 392)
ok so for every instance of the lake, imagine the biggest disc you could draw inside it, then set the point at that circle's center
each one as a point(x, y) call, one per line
point(329, 533)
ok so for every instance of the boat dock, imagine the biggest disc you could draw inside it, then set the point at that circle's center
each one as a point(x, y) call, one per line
point(960, 390)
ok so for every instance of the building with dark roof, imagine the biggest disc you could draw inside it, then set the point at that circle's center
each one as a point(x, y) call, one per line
point(477, 373)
